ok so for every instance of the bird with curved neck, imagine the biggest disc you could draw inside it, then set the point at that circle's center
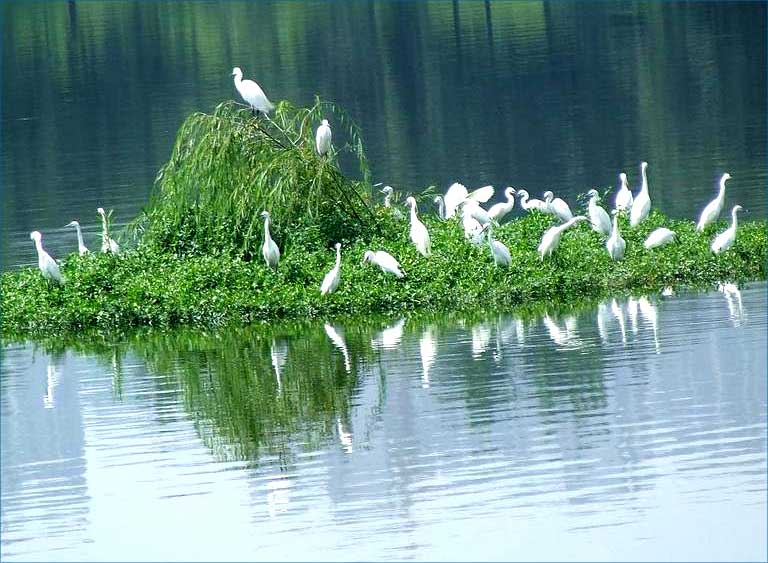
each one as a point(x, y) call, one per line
point(551, 239)
point(713, 209)
point(323, 138)
point(107, 244)
point(615, 244)
point(269, 249)
point(499, 210)
point(385, 261)
point(624, 195)
point(531, 204)
point(252, 93)
point(499, 250)
point(48, 266)
point(81, 248)
point(725, 240)
point(601, 221)
point(641, 206)
point(332, 278)
point(557, 207)
point(419, 233)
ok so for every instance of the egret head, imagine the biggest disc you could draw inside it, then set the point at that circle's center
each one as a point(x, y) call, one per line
point(72, 224)
point(593, 193)
point(523, 194)
point(548, 196)
point(325, 122)
point(725, 178)
point(35, 236)
point(237, 72)
point(265, 215)
point(643, 165)
point(737, 208)
point(438, 199)
point(338, 246)
point(367, 257)
point(410, 201)
point(509, 192)
point(387, 190)
point(623, 178)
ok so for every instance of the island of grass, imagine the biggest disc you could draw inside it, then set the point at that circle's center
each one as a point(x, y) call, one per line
point(196, 250)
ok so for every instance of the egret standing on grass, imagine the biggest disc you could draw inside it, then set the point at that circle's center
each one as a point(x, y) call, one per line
point(81, 248)
point(499, 210)
point(659, 237)
point(601, 221)
point(332, 278)
point(499, 251)
point(419, 233)
point(252, 93)
point(440, 202)
point(725, 240)
point(624, 195)
point(712, 211)
point(557, 207)
point(615, 244)
point(385, 261)
point(387, 191)
point(48, 266)
point(107, 244)
point(269, 249)
point(641, 206)
point(551, 239)
point(323, 138)
point(529, 204)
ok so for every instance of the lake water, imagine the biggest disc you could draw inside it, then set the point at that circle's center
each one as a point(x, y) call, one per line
point(632, 430)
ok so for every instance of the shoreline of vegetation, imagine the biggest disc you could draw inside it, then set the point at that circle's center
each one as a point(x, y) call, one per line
point(197, 257)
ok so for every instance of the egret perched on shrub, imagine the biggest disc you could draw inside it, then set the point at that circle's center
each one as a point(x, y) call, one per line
point(332, 278)
point(641, 206)
point(624, 195)
point(419, 233)
point(725, 240)
point(385, 261)
point(712, 211)
point(107, 244)
point(659, 237)
point(81, 248)
point(615, 244)
point(499, 210)
point(269, 249)
point(551, 239)
point(252, 93)
point(529, 204)
point(457, 194)
point(48, 266)
point(601, 221)
point(557, 207)
point(473, 229)
point(499, 251)
point(476, 212)
point(323, 138)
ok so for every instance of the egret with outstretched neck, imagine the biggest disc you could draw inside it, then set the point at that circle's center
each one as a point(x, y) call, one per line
point(551, 239)
point(419, 233)
point(48, 266)
point(624, 195)
point(269, 249)
point(641, 206)
point(323, 138)
point(615, 244)
point(252, 93)
point(725, 240)
point(713, 209)
point(498, 211)
point(332, 278)
point(81, 248)
point(385, 261)
point(601, 221)
point(659, 237)
point(107, 244)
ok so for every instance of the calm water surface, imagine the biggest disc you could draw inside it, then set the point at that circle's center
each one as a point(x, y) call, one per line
point(635, 430)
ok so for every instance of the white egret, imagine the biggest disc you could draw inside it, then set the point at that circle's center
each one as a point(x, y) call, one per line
point(725, 240)
point(472, 228)
point(107, 244)
point(388, 191)
point(419, 233)
point(332, 278)
point(269, 249)
point(641, 206)
point(499, 210)
point(81, 248)
point(476, 212)
point(499, 251)
point(551, 239)
point(455, 194)
point(616, 244)
point(557, 207)
point(659, 237)
point(385, 261)
point(529, 204)
point(440, 202)
point(481, 195)
point(323, 138)
point(48, 266)
point(624, 195)
point(252, 93)
point(713, 209)
point(601, 221)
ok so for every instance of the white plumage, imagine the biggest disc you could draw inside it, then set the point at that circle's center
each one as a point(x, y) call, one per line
point(601, 221)
point(440, 202)
point(615, 244)
point(725, 240)
point(323, 138)
point(269, 249)
point(48, 266)
point(419, 233)
point(107, 244)
point(557, 207)
point(476, 212)
point(81, 248)
point(251, 92)
point(659, 237)
point(499, 210)
point(713, 209)
point(551, 239)
point(530, 204)
point(457, 194)
point(641, 206)
point(332, 278)
point(499, 251)
point(385, 261)
point(624, 195)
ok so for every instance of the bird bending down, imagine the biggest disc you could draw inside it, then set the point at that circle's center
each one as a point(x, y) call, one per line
point(498, 211)
point(530, 204)
point(551, 239)
point(659, 237)
point(323, 138)
point(419, 233)
point(615, 244)
point(499, 251)
point(48, 266)
point(557, 207)
point(725, 240)
point(713, 209)
point(440, 202)
point(332, 278)
point(601, 221)
point(385, 261)
point(252, 93)
point(624, 195)
point(269, 249)
point(81, 248)
point(641, 206)
point(107, 244)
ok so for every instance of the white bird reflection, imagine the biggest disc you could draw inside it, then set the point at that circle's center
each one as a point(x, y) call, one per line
point(481, 336)
point(733, 298)
point(632, 312)
point(428, 350)
point(52, 382)
point(390, 337)
point(619, 314)
point(603, 314)
point(278, 495)
point(562, 337)
point(648, 311)
point(339, 342)
point(344, 437)
point(279, 352)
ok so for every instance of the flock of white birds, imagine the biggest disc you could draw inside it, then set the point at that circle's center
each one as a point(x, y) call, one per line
point(476, 221)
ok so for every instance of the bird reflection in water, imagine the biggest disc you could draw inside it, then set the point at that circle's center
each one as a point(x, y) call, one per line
point(278, 495)
point(52, 382)
point(603, 314)
point(339, 342)
point(390, 337)
point(733, 298)
point(619, 314)
point(279, 353)
point(344, 437)
point(481, 336)
point(632, 313)
point(648, 311)
point(562, 337)
point(428, 351)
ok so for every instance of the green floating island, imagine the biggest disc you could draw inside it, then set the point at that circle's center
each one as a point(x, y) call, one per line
point(196, 257)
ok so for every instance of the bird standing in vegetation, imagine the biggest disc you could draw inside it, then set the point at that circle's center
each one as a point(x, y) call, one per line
point(252, 93)
point(624, 195)
point(499, 251)
point(615, 244)
point(641, 206)
point(81, 248)
point(499, 210)
point(713, 209)
point(557, 207)
point(457, 194)
point(551, 239)
point(385, 261)
point(419, 233)
point(530, 204)
point(388, 191)
point(269, 249)
point(725, 240)
point(601, 221)
point(107, 244)
point(659, 237)
point(48, 266)
point(332, 278)
point(323, 138)
point(440, 202)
